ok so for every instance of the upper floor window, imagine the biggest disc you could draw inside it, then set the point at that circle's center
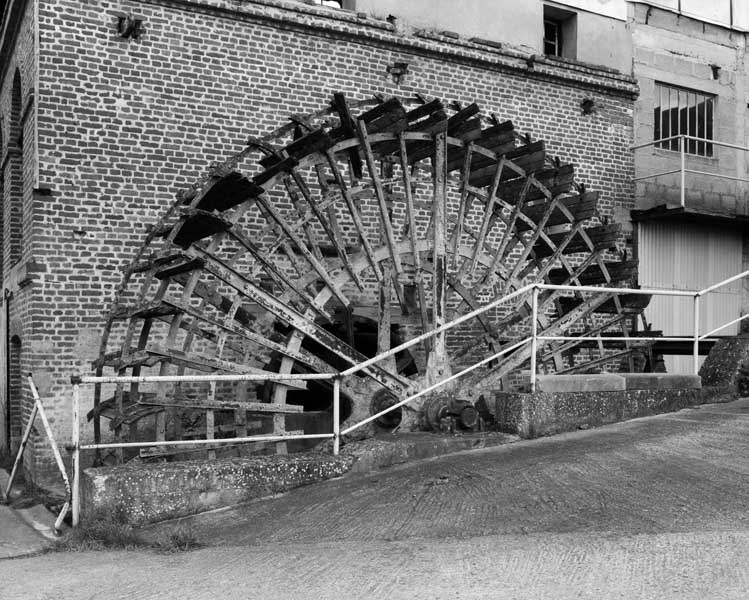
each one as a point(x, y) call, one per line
point(560, 32)
point(680, 111)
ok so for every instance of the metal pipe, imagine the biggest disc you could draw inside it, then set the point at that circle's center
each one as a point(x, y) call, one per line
point(280, 377)
point(534, 336)
point(590, 288)
point(696, 345)
point(653, 142)
point(21, 448)
point(570, 338)
point(722, 283)
point(707, 335)
point(336, 416)
point(691, 138)
point(719, 175)
point(55, 452)
point(213, 442)
point(435, 386)
point(76, 496)
point(683, 174)
point(654, 175)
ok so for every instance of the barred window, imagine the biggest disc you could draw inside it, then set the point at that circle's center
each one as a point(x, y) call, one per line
point(679, 111)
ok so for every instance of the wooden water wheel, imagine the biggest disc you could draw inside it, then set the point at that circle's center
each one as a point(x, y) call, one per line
point(342, 234)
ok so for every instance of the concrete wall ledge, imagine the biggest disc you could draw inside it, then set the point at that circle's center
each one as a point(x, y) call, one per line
point(595, 382)
point(544, 413)
point(661, 381)
point(147, 493)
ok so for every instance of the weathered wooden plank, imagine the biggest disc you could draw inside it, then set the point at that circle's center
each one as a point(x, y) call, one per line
point(329, 225)
point(277, 274)
point(385, 221)
point(488, 217)
point(316, 140)
point(302, 356)
point(463, 204)
point(209, 364)
point(412, 236)
point(389, 116)
point(629, 303)
point(225, 193)
point(347, 130)
point(355, 216)
point(198, 403)
point(530, 158)
point(309, 232)
point(580, 206)
point(292, 235)
point(617, 271)
point(554, 181)
point(283, 166)
point(219, 269)
point(196, 225)
point(603, 237)
point(437, 360)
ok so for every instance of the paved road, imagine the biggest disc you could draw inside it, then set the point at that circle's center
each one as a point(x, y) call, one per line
point(652, 508)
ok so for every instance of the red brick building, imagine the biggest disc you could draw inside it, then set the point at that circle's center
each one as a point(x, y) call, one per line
point(102, 121)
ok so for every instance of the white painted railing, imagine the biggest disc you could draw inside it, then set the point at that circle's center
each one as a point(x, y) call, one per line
point(336, 432)
point(682, 170)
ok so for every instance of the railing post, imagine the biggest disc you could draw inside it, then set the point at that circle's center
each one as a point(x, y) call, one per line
point(336, 415)
point(76, 500)
point(696, 348)
point(683, 171)
point(534, 332)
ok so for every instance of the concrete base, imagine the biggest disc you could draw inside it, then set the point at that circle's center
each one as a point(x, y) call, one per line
point(534, 415)
point(597, 382)
point(147, 493)
point(386, 450)
point(661, 381)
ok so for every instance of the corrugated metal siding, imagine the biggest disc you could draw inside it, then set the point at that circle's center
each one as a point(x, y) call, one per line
point(690, 257)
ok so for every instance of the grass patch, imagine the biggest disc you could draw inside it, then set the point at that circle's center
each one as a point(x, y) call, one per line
point(110, 531)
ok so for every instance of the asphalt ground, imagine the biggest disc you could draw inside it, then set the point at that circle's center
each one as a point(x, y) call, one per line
point(649, 508)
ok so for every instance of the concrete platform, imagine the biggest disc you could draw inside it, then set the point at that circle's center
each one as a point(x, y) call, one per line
point(149, 493)
point(661, 381)
point(597, 382)
point(19, 533)
point(146, 493)
point(386, 450)
point(543, 413)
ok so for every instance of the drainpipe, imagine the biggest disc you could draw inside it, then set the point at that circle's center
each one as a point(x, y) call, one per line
point(6, 300)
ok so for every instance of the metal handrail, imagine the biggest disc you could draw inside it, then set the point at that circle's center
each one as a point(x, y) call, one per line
point(337, 433)
point(682, 170)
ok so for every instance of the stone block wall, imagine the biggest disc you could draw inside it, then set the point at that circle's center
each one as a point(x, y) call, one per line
point(124, 124)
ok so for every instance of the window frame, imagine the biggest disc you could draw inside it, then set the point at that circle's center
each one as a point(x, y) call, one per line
point(565, 25)
point(694, 116)
point(557, 43)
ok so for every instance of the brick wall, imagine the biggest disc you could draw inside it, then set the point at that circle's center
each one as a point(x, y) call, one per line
point(124, 124)
point(17, 180)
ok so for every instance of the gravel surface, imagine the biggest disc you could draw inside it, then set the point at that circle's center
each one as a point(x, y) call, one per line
point(650, 508)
